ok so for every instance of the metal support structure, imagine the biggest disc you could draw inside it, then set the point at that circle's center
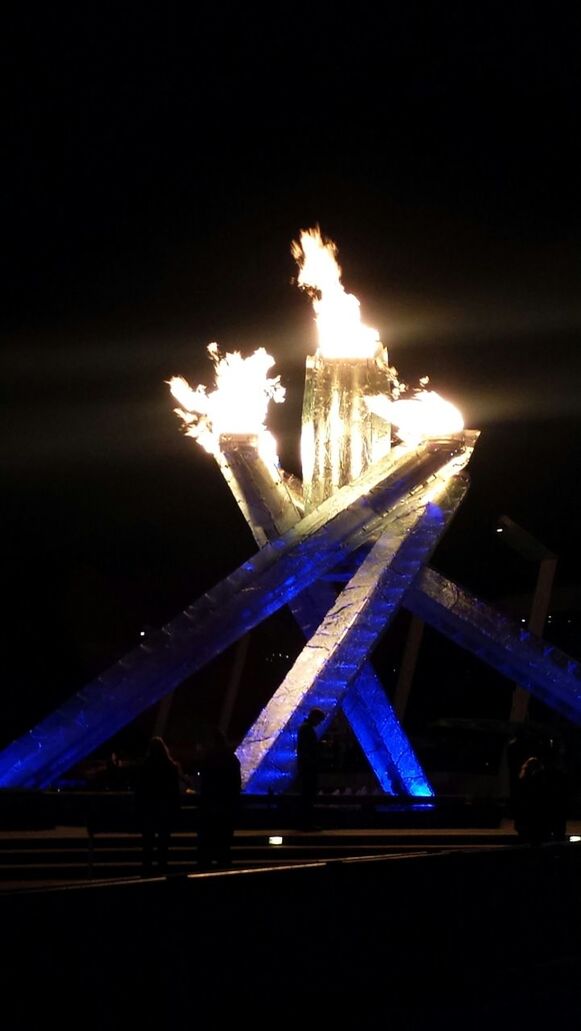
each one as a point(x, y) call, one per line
point(279, 573)
point(365, 705)
point(270, 579)
point(334, 655)
point(540, 668)
point(531, 550)
point(536, 625)
point(360, 502)
point(233, 684)
point(340, 437)
point(408, 666)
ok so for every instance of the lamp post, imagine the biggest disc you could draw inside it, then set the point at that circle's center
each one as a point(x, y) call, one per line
point(532, 551)
point(408, 666)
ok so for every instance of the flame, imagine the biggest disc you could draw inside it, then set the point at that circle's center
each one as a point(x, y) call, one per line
point(238, 405)
point(426, 414)
point(340, 330)
point(343, 335)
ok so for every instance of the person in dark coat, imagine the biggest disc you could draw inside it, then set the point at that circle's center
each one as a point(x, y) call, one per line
point(157, 799)
point(308, 763)
point(529, 802)
point(219, 786)
point(541, 804)
point(556, 793)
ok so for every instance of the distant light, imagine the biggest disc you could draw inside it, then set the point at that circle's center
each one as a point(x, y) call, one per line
point(275, 839)
point(523, 620)
point(575, 837)
point(142, 633)
point(499, 529)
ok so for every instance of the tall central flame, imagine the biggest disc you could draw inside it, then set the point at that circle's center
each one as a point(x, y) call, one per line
point(342, 335)
point(238, 405)
point(337, 314)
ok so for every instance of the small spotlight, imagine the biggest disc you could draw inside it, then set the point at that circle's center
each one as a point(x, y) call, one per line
point(500, 529)
point(275, 839)
point(142, 633)
point(575, 837)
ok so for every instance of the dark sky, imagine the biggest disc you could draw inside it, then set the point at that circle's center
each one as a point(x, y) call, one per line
point(155, 174)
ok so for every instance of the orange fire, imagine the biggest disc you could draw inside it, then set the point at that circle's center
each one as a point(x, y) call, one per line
point(238, 405)
point(239, 402)
point(425, 414)
point(337, 314)
point(342, 335)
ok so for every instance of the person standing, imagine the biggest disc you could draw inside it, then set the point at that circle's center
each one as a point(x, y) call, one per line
point(308, 763)
point(219, 798)
point(157, 798)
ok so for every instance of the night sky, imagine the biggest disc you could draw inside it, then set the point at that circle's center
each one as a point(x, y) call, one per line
point(156, 172)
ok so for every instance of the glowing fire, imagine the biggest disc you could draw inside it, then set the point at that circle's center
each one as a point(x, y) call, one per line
point(238, 405)
point(426, 414)
point(343, 335)
point(341, 332)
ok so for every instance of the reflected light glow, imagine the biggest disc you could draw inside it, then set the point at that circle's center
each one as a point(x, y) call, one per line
point(426, 414)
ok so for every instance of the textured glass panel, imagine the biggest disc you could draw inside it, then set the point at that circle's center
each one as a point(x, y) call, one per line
point(259, 587)
point(366, 706)
point(336, 652)
point(539, 668)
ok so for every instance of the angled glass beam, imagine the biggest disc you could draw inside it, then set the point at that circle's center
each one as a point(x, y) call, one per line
point(538, 667)
point(340, 436)
point(259, 587)
point(264, 498)
point(368, 710)
point(334, 655)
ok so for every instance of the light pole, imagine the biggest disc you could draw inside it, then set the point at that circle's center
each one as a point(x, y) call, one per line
point(408, 666)
point(532, 551)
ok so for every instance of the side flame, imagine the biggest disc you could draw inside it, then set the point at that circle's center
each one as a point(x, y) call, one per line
point(337, 314)
point(426, 414)
point(238, 405)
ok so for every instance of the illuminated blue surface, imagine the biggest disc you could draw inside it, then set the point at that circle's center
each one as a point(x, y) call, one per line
point(259, 587)
point(244, 599)
point(538, 667)
point(368, 710)
point(269, 510)
point(335, 655)
point(149, 672)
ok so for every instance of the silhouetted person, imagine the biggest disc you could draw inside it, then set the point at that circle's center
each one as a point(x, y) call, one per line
point(308, 763)
point(541, 803)
point(219, 798)
point(114, 773)
point(556, 794)
point(157, 799)
point(529, 801)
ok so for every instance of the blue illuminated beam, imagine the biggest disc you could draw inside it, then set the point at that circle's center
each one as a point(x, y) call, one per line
point(537, 666)
point(262, 585)
point(333, 657)
point(369, 712)
point(268, 509)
